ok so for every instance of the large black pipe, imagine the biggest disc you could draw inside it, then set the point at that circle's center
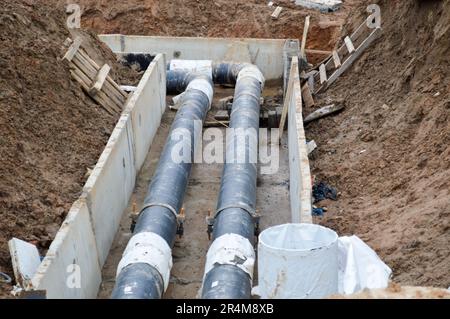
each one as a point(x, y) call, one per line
point(156, 228)
point(226, 277)
point(157, 224)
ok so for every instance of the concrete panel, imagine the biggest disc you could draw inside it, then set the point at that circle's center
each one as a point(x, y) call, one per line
point(74, 244)
point(300, 176)
point(146, 107)
point(111, 184)
point(267, 54)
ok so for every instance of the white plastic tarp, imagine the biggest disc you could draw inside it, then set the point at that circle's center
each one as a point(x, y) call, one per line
point(360, 267)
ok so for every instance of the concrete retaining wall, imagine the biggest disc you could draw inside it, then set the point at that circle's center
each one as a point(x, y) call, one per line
point(300, 176)
point(85, 238)
point(267, 54)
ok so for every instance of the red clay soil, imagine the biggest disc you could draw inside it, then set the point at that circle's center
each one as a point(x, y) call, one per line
point(388, 153)
point(50, 131)
point(218, 18)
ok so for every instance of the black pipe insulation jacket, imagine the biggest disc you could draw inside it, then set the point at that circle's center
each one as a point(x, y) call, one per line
point(165, 195)
point(237, 199)
point(222, 73)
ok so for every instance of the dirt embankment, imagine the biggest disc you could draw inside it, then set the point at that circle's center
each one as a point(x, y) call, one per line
point(218, 18)
point(50, 130)
point(388, 153)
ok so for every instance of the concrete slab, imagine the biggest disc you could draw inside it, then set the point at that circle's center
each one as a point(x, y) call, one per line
point(267, 54)
point(146, 107)
point(25, 260)
point(110, 185)
point(70, 270)
point(299, 171)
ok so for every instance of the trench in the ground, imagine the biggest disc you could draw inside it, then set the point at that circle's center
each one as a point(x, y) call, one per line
point(190, 250)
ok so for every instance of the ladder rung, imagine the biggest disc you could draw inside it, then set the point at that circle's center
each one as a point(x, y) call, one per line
point(349, 45)
point(323, 73)
point(337, 59)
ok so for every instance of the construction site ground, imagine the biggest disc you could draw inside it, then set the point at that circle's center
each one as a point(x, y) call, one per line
point(387, 153)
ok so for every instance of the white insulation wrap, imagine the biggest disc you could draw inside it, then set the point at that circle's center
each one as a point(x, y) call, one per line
point(148, 248)
point(231, 249)
point(195, 66)
point(297, 261)
point(254, 72)
point(204, 86)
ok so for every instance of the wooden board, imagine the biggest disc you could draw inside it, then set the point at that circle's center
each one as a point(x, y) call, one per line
point(349, 44)
point(73, 49)
point(100, 79)
point(323, 73)
point(336, 59)
point(276, 13)
point(352, 58)
point(304, 37)
point(322, 112)
point(307, 96)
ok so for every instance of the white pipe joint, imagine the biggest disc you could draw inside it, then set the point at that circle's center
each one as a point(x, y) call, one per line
point(202, 84)
point(148, 248)
point(231, 249)
point(253, 72)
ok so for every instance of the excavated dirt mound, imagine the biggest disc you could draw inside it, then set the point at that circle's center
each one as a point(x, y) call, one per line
point(50, 131)
point(218, 18)
point(388, 153)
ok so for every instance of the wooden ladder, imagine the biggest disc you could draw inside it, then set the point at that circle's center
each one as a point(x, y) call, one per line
point(94, 80)
point(352, 48)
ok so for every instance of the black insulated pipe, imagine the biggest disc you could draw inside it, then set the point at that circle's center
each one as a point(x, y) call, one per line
point(144, 270)
point(231, 257)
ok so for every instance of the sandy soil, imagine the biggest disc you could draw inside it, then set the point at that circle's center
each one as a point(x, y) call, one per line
point(388, 152)
point(50, 131)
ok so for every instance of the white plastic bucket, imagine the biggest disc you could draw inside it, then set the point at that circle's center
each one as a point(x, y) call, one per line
point(297, 261)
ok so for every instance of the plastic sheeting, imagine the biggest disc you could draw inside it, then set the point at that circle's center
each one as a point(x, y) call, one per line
point(303, 261)
point(360, 267)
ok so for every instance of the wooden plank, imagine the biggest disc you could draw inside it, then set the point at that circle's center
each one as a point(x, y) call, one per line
point(277, 12)
point(359, 31)
point(317, 52)
point(304, 37)
point(311, 82)
point(289, 92)
point(352, 58)
point(336, 59)
point(109, 83)
point(322, 112)
point(73, 49)
point(86, 88)
point(307, 96)
point(349, 44)
point(90, 74)
point(101, 97)
point(100, 79)
point(109, 79)
point(322, 73)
